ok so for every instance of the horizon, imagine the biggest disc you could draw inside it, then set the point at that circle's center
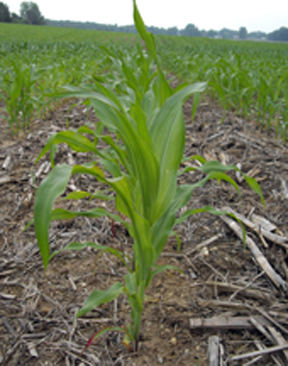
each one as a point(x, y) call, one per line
point(151, 26)
point(254, 16)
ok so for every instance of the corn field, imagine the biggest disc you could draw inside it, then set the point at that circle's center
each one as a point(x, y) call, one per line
point(250, 78)
point(132, 156)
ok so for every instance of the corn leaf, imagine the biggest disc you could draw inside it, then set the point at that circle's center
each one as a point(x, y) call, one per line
point(50, 188)
point(98, 334)
point(139, 227)
point(102, 196)
point(62, 214)
point(216, 166)
point(191, 212)
point(90, 169)
point(212, 167)
point(131, 283)
point(196, 101)
point(72, 91)
point(255, 186)
point(163, 227)
point(76, 141)
point(148, 38)
point(222, 176)
point(80, 246)
point(168, 132)
point(163, 268)
point(77, 195)
point(144, 166)
point(98, 298)
point(47, 147)
point(112, 167)
point(198, 158)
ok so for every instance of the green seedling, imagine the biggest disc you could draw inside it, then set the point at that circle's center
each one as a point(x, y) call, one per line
point(19, 95)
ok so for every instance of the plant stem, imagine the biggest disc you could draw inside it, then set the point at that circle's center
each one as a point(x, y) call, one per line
point(137, 325)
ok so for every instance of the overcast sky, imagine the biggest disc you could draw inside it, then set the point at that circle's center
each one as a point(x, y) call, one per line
point(255, 15)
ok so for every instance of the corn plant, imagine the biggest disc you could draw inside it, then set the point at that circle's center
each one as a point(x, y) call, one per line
point(19, 95)
point(249, 78)
point(141, 165)
point(31, 70)
point(246, 77)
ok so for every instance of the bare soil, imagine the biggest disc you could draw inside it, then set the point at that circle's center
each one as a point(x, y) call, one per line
point(37, 324)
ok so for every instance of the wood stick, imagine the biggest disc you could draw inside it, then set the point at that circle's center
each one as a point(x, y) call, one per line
point(5, 179)
point(204, 244)
point(283, 241)
point(278, 339)
point(227, 287)
point(213, 351)
point(6, 163)
point(260, 346)
point(246, 286)
point(224, 304)
point(262, 261)
point(271, 320)
point(265, 351)
point(261, 329)
point(254, 360)
point(226, 322)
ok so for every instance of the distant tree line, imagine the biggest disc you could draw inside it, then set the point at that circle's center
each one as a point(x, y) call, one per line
point(30, 14)
point(189, 30)
point(279, 35)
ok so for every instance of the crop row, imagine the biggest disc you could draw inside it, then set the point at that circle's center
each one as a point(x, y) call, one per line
point(247, 77)
point(36, 61)
point(250, 78)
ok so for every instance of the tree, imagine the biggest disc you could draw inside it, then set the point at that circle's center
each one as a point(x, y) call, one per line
point(172, 31)
point(257, 35)
point(211, 33)
point(279, 35)
point(4, 13)
point(16, 19)
point(243, 33)
point(191, 30)
point(228, 33)
point(30, 13)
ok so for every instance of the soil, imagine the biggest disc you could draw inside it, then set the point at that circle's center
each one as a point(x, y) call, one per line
point(220, 278)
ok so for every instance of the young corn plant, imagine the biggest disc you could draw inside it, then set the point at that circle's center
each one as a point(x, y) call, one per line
point(141, 165)
point(19, 95)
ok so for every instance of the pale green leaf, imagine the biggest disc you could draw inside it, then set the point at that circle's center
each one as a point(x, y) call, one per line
point(76, 141)
point(222, 176)
point(164, 225)
point(50, 188)
point(47, 147)
point(216, 166)
point(131, 283)
point(148, 38)
point(168, 139)
point(255, 186)
point(139, 227)
point(191, 212)
point(198, 158)
point(99, 297)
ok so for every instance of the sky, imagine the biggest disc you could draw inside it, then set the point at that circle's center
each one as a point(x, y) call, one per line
point(255, 15)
